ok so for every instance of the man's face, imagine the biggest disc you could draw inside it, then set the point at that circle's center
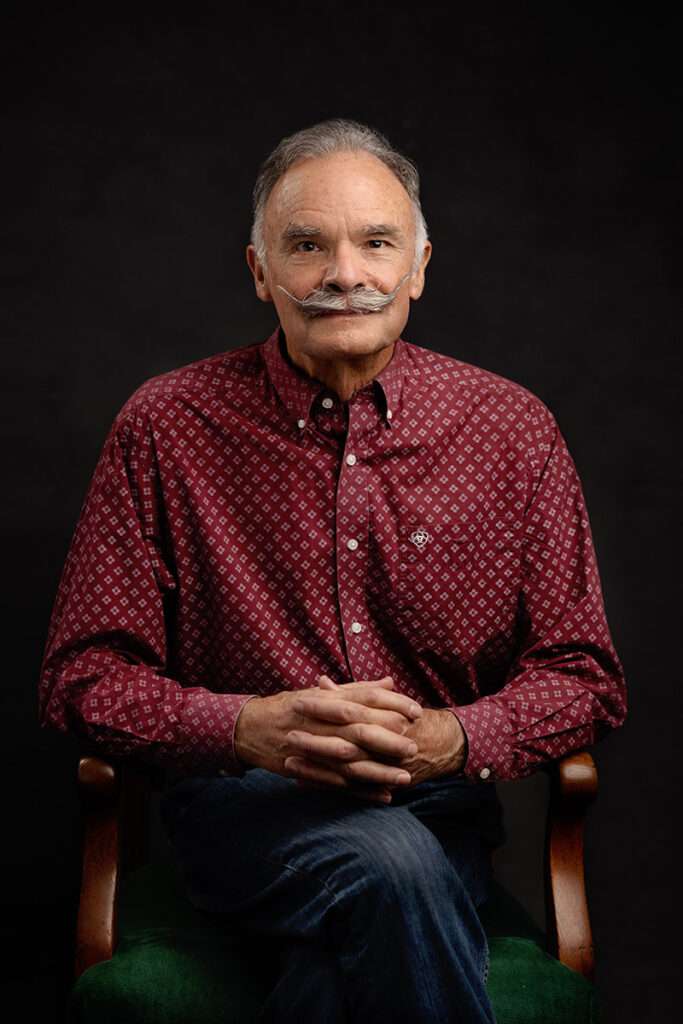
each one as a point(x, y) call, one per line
point(344, 224)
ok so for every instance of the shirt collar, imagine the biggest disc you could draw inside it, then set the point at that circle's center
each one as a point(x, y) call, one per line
point(298, 391)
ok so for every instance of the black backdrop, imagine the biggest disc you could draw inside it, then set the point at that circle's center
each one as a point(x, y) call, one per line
point(546, 143)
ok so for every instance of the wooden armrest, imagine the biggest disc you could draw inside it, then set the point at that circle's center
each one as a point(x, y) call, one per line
point(99, 785)
point(115, 806)
point(574, 785)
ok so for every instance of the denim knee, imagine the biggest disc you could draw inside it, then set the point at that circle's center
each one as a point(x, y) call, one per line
point(399, 855)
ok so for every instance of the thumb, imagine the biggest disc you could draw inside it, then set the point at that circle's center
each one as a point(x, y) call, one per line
point(326, 683)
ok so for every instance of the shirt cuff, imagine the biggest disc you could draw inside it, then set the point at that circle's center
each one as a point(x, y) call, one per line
point(205, 731)
point(489, 741)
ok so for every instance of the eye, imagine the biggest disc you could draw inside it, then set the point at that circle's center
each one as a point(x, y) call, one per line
point(305, 242)
point(380, 240)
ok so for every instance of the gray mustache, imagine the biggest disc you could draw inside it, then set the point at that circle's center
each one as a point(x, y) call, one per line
point(365, 300)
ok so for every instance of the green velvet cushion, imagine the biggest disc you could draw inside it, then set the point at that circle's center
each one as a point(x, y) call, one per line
point(176, 965)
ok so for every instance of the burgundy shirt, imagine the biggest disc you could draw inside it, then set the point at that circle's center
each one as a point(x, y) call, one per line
point(245, 531)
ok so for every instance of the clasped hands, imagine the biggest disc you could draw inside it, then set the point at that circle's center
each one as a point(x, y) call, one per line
point(369, 739)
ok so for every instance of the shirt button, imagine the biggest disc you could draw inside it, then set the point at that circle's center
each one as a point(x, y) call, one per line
point(356, 627)
point(484, 773)
point(302, 423)
point(389, 414)
point(351, 459)
point(352, 544)
point(328, 403)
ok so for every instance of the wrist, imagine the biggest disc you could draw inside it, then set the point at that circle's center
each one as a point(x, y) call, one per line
point(242, 745)
point(455, 743)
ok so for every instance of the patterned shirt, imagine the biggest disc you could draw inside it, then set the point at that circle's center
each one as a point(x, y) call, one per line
point(245, 530)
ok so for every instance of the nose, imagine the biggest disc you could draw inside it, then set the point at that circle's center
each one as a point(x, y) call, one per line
point(345, 270)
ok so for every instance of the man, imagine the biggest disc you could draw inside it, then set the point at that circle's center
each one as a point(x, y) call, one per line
point(336, 585)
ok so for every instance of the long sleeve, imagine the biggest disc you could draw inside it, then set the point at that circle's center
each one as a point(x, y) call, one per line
point(566, 688)
point(103, 672)
point(213, 561)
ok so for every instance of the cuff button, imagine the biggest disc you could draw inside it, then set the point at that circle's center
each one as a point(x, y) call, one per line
point(484, 773)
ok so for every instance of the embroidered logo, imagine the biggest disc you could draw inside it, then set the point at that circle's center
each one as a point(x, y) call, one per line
point(420, 537)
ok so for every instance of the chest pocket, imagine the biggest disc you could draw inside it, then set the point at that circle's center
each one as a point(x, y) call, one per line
point(443, 571)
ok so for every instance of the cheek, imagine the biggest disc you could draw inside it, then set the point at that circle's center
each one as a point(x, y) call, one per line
point(298, 285)
point(400, 307)
point(300, 280)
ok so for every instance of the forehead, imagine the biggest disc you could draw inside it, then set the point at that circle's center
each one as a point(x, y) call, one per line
point(353, 185)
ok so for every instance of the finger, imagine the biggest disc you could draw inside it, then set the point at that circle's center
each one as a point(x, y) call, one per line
point(369, 728)
point(360, 773)
point(333, 746)
point(377, 728)
point(377, 773)
point(357, 774)
point(373, 697)
point(348, 745)
point(331, 706)
point(367, 695)
point(376, 794)
point(367, 740)
point(299, 767)
point(325, 683)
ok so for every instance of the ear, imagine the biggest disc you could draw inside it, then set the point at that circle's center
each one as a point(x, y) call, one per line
point(262, 289)
point(417, 282)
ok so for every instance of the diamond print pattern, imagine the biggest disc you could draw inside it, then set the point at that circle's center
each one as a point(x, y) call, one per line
point(245, 531)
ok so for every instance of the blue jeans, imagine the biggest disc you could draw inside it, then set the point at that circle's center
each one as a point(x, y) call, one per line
point(373, 907)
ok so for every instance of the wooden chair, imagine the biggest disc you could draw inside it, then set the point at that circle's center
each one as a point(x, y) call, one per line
point(143, 953)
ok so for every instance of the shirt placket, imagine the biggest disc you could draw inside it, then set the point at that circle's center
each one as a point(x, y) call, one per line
point(352, 555)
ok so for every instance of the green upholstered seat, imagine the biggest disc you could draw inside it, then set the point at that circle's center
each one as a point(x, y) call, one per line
point(178, 965)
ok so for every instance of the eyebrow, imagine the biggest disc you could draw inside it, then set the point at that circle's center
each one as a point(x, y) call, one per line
point(294, 230)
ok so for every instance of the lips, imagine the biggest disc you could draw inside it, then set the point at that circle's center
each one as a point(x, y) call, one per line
point(341, 312)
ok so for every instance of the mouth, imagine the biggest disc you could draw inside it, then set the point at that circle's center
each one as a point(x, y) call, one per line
point(341, 312)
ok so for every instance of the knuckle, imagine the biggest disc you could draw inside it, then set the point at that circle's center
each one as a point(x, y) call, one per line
point(362, 731)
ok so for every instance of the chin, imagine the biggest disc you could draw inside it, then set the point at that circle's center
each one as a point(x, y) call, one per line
point(345, 340)
point(369, 327)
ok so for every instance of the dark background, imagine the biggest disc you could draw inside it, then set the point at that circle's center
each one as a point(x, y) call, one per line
point(546, 141)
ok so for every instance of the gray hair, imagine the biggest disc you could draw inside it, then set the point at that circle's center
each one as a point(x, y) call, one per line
point(333, 136)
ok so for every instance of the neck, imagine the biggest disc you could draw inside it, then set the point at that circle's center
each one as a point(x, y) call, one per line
point(343, 376)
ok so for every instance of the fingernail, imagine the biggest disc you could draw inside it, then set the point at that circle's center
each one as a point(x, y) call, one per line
point(403, 777)
point(412, 749)
point(416, 710)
